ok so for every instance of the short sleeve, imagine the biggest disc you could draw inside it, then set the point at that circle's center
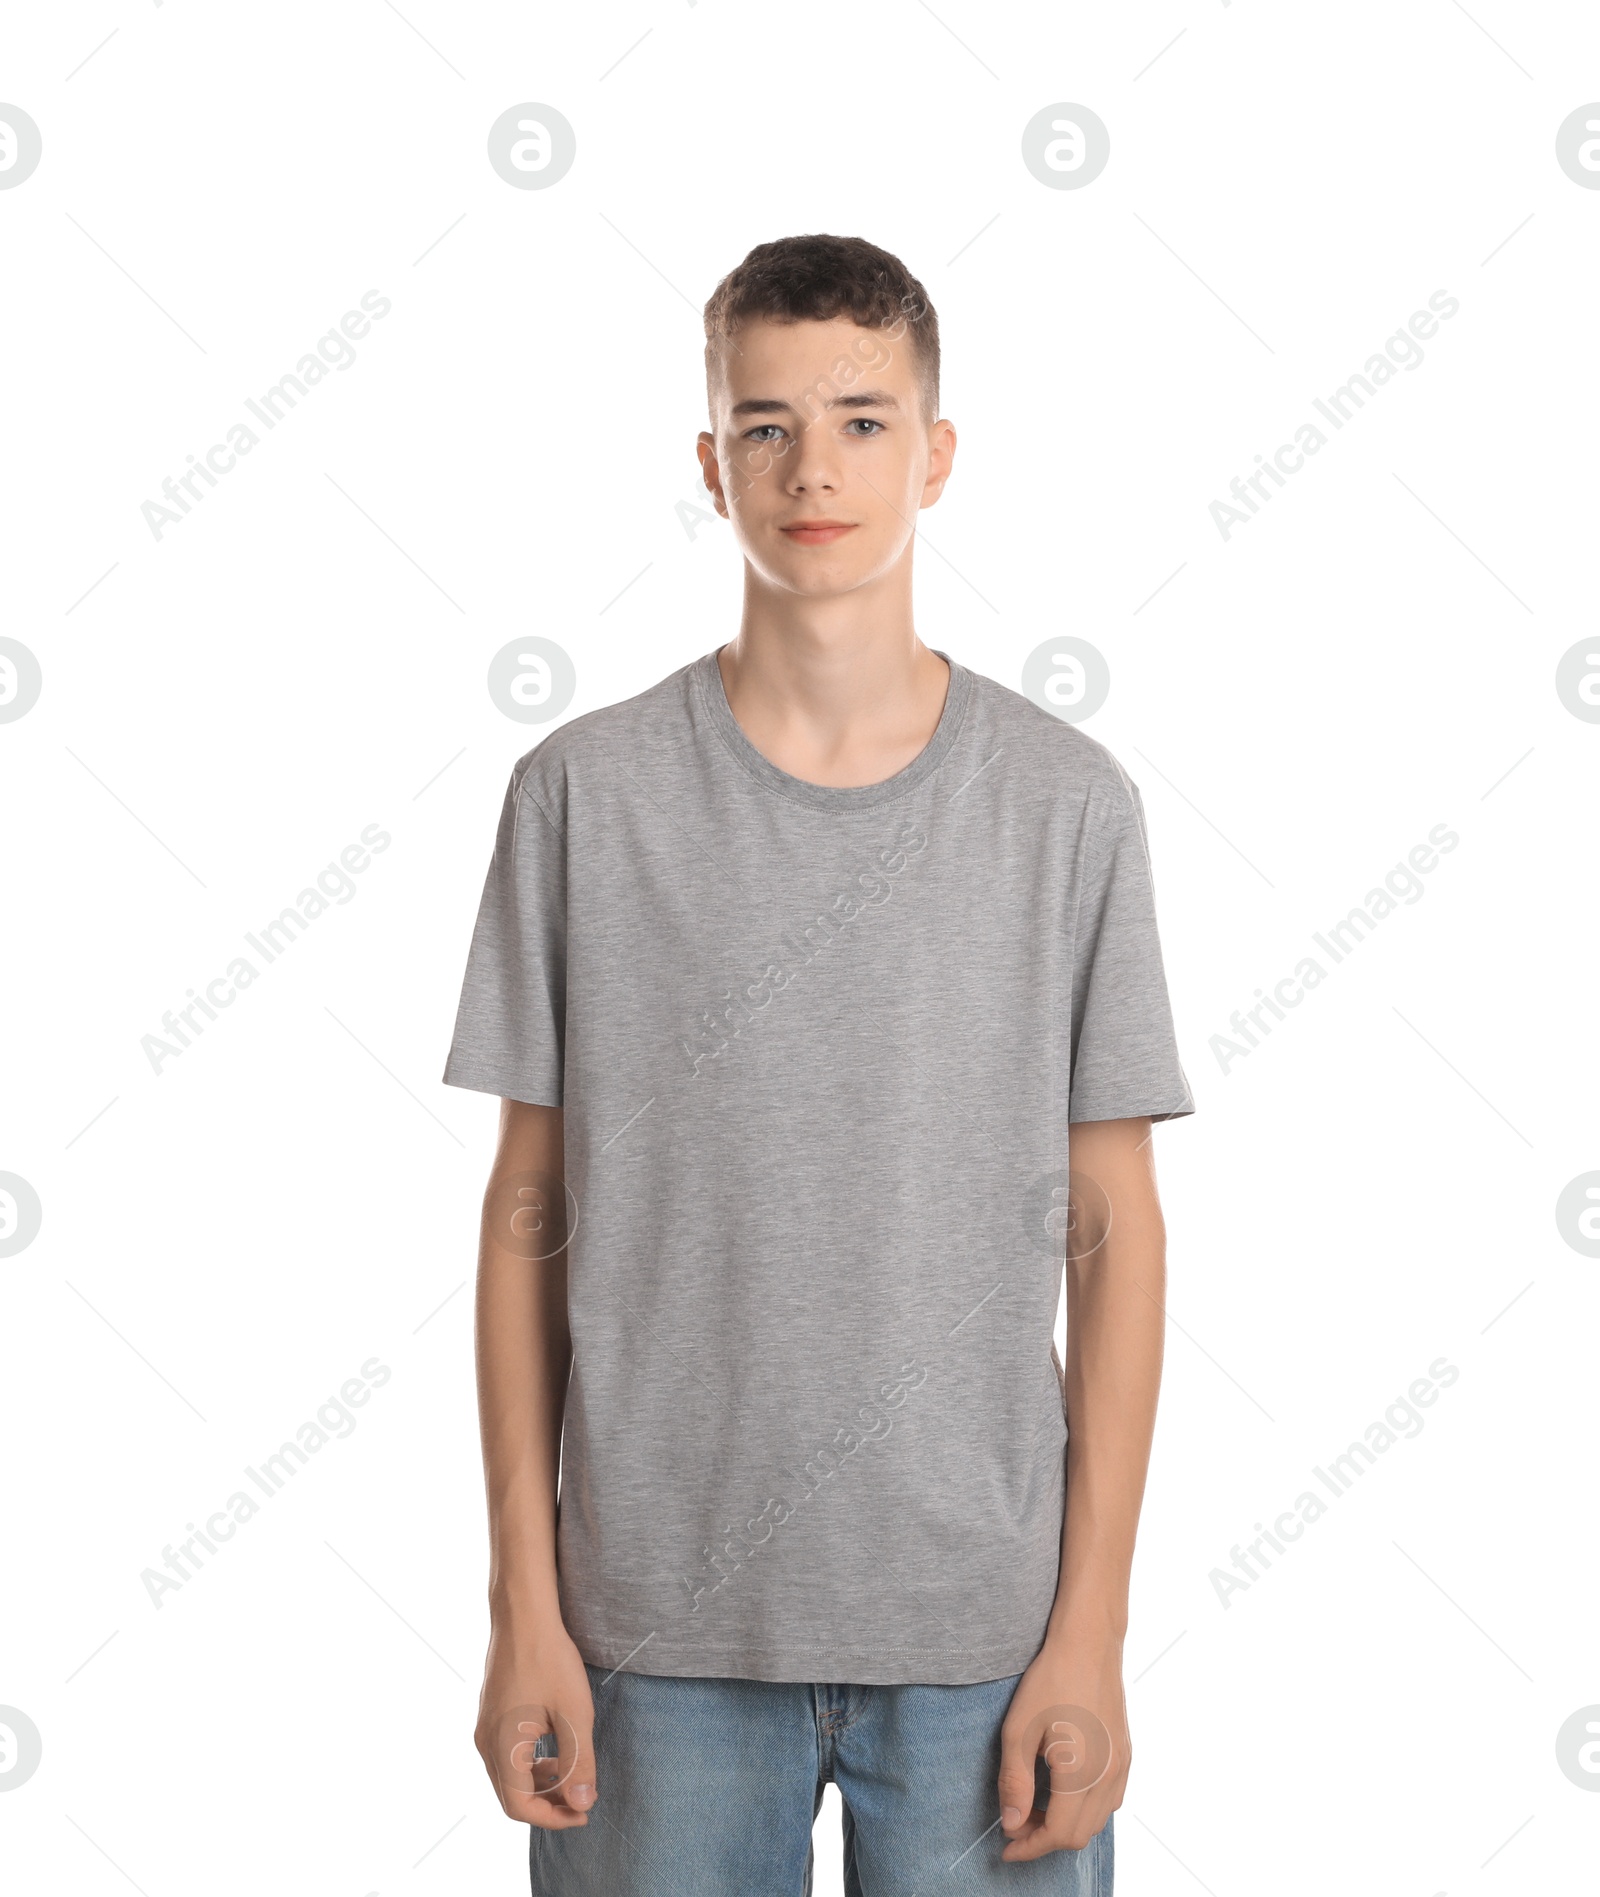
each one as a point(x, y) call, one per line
point(511, 1023)
point(1124, 1053)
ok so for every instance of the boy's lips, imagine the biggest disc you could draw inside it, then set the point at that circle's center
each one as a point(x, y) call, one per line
point(817, 533)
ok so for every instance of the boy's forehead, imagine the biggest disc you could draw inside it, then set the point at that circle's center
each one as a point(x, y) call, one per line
point(768, 358)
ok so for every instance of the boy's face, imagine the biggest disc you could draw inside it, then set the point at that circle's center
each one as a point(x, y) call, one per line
point(822, 422)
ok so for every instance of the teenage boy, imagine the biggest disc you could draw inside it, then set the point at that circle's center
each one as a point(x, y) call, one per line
point(792, 972)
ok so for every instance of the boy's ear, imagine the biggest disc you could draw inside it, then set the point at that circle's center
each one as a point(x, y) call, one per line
point(706, 448)
point(941, 456)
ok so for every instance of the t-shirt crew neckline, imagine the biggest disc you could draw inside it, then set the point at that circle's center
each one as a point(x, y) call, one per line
point(708, 676)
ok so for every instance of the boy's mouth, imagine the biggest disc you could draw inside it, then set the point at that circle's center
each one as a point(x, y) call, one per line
point(817, 533)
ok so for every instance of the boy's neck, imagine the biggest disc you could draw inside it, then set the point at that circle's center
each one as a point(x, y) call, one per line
point(836, 690)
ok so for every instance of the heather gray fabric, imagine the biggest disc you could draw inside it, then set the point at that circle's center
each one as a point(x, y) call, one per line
point(817, 1050)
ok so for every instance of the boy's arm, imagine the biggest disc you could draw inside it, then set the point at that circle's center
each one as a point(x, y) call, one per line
point(534, 1679)
point(1116, 1297)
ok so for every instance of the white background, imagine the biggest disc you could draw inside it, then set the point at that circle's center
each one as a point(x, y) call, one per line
point(225, 708)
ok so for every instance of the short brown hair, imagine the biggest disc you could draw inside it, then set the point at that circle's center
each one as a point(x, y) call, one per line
point(815, 279)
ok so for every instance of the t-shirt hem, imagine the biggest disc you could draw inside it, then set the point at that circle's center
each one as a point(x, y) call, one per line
point(1110, 1109)
point(863, 1666)
point(532, 1093)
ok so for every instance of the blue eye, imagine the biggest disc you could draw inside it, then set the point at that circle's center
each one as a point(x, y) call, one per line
point(753, 434)
point(866, 421)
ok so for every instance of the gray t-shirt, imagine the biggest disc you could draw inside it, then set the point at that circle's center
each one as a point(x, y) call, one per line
point(817, 1050)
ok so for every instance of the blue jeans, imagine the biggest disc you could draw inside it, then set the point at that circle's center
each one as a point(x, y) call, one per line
point(709, 1788)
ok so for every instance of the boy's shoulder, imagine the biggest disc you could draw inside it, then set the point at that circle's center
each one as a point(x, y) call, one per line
point(610, 734)
point(1052, 753)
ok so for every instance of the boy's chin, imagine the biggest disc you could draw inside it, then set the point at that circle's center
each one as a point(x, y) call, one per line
point(809, 571)
point(830, 585)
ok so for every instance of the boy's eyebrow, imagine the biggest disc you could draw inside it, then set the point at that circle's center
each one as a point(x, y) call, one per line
point(860, 398)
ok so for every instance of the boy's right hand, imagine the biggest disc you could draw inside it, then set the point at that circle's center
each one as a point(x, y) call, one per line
point(533, 1685)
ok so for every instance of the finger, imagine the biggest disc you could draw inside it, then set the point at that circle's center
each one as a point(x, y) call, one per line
point(576, 1785)
point(549, 1814)
point(1019, 1748)
point(1067, 1824)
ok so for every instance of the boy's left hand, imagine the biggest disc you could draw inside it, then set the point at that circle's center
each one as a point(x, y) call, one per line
point(1069, 1708)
